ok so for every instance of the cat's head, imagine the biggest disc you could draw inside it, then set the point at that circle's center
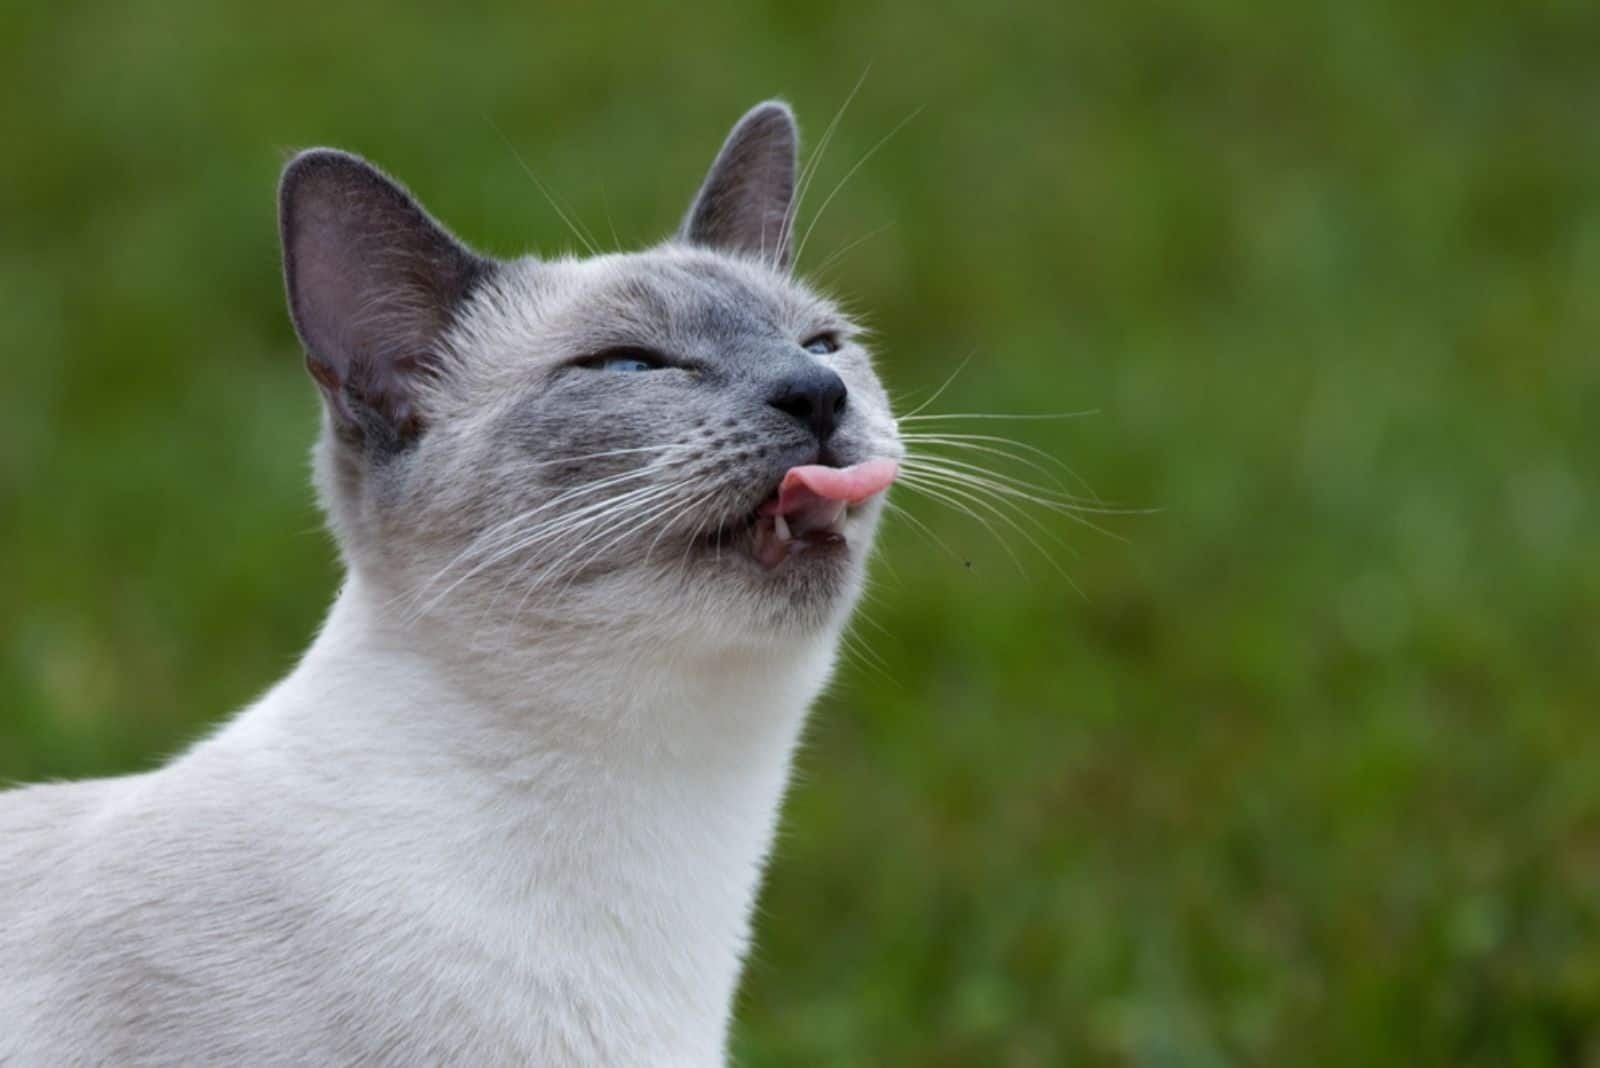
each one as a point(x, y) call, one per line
point(683, 440)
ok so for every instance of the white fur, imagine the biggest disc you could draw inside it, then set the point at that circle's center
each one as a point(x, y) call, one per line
point(414, 863)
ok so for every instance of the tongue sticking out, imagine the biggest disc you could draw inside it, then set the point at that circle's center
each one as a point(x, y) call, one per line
point(809, 507)
point(806, 485)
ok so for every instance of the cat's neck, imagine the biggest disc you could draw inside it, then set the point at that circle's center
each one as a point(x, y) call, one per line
point(593, 803)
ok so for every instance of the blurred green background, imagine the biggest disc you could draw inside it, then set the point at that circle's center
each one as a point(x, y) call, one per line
point(1310, 772)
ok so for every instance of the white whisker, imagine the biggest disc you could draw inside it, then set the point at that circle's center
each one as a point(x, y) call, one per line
point(924, 529)
point(620, 513)
point(847, 176)
point(587, 242)
point(939, 495)
point(975, 443)
point(666, 514)
point(972, 442)
point(624, 517)
point(809, 171)
point(839, 253)
point(1043, 495)
point(509, 529)
point(938, 392)
point(1002, 415)
point(996, 504)
point(1072, 511)
point(594, 512)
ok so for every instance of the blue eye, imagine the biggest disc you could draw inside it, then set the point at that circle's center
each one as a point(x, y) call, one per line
point(822, 345)
point(624, 363)
point(625, 360)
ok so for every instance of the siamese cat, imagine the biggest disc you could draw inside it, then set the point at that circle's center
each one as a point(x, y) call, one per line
point(603, 521)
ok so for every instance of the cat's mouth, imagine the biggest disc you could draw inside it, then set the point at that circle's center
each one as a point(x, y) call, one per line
point(807, 512)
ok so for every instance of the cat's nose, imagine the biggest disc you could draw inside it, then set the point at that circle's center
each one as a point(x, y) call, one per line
point(815, 396)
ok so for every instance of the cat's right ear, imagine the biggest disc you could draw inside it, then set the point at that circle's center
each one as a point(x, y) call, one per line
point(373, 284)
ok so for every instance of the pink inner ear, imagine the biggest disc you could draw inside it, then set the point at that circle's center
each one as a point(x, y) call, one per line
point(373, 281)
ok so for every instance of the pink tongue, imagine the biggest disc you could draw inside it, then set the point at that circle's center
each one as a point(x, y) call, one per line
point(804, 485)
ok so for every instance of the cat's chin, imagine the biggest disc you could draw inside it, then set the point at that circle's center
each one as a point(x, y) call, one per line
point(756, 584)
point(770, 544)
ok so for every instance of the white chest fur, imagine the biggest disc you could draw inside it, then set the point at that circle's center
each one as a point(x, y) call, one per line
point(396, 858)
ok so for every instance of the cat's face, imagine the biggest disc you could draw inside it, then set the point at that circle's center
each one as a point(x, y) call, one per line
point(685, 440)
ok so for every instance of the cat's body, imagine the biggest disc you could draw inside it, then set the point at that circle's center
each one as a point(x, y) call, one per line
point(513, 804)
point(380, 863)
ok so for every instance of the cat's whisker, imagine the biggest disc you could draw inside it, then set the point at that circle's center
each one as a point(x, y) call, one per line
point(962, 366)
point(933, 441)
point(600, 483)
point(966, 499)
point(694, 536)
point(938, 494)
point(993, 485)
point(616, 512)
point(870, 596)
point(924, 529)
point(809, 171)
point(556, 524)
point(1016, 416)
point(664, 524)
point(582, 237)
point(805, 237)
point(991, 482)
point(954, 474)
point(992, 501)
point(661, 518)
point(594, 514)
point(520, 539)
point(663, 521)
point(485, 538)
point(840, 253)
point(605, 205)
point(1002, 446)
point(665, 513)
point(671, 446)
point(857, 647)
point(1044, 495)
point(622, 511)
point(512, 529)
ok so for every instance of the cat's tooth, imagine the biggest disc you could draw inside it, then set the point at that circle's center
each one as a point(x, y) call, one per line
point(767, 548)
point(781, 525)
point(836, 524)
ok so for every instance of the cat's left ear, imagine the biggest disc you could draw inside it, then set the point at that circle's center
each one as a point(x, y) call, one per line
point(373, 285)
point(744, 205)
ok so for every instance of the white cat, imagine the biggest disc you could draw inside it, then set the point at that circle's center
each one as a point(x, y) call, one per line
point(603, 522)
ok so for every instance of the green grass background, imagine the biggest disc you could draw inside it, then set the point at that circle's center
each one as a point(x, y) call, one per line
point(1309, 773)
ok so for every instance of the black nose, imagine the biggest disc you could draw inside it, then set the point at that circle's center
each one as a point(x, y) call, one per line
point(815, 396)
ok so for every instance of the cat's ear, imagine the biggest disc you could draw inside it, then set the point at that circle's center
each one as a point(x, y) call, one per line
point(745, 202)
point(373, 284)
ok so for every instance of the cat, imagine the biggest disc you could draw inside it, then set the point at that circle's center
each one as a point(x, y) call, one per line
point(603, 521)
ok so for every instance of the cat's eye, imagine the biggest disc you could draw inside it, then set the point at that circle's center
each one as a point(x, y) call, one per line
point(625, 360)
point(822, 345)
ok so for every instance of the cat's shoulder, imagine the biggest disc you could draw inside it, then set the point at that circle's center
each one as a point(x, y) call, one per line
point(45, 821)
